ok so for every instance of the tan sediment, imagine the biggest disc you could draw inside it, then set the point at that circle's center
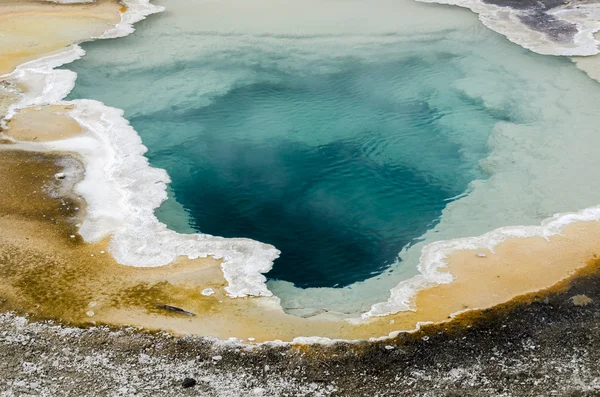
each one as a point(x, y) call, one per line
point(29, 29)
point(42, 124)
point(590, 65)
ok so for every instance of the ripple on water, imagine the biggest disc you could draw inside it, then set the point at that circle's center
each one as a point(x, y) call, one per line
point(342, 146)
point(338, 170)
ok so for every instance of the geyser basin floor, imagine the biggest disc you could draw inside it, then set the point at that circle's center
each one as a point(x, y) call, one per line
point(48, 274)
point(48, 271)
point(340, 140)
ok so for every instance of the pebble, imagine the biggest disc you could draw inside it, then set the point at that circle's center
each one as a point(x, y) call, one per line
point(251, 339)
point(208, 291)
point(89, 313)
point(388, 347)
point(481, 255)
point(581, 300)
point(60, 175)
point(217, 358)
point(189, 382)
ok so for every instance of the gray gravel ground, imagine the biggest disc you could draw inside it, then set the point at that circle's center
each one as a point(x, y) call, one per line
point(545, 347)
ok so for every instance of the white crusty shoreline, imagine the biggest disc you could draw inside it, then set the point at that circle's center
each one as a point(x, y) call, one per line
point(118, 205)
point(506, 21)
point(122, 190)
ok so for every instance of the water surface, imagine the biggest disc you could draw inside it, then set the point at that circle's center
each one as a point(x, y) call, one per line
point(344, 132)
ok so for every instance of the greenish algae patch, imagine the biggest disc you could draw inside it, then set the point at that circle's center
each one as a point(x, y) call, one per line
point(49, 272)
point(151, 296)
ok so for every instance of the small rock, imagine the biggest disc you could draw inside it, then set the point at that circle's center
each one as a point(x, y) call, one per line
point(189, 382)
point(481, 255)
point(217, 358)
point(175, 310)
point(208, 291)
point(60, 175)
point(581, 300)
point(388, 347)
point(251, 339)
point(89, 313)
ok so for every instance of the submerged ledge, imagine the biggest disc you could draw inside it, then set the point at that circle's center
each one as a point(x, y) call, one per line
point(51, 272)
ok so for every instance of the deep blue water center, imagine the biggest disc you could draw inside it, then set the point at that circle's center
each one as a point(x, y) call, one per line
point(339, 169)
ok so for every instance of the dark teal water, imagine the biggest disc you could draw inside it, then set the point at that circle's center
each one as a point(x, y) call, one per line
point(339, 169)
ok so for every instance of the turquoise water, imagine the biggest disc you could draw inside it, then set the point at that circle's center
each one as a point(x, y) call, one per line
point(323, 166)
point(345, 132)
point(338, 170)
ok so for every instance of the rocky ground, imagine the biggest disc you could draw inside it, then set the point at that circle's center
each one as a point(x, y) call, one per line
point(538, 16)
point(542, 345)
